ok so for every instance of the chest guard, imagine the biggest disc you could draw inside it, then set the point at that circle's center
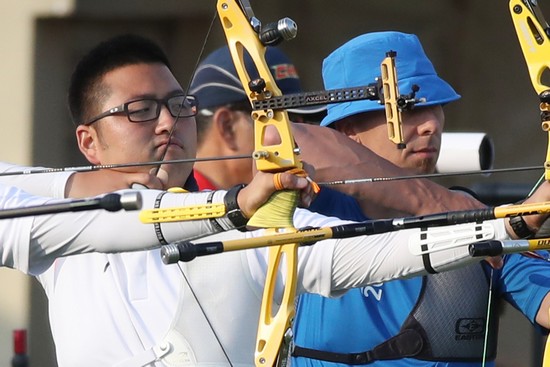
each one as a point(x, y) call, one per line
point(451, 316)
point(448, 323)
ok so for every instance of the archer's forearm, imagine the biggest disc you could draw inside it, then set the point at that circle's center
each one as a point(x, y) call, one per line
point(337, 157)
point(397, 198)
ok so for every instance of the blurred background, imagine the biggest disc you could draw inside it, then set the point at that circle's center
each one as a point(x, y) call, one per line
point(472, 44)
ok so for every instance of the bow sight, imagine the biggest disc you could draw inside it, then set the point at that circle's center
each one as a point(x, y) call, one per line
point(383, 89)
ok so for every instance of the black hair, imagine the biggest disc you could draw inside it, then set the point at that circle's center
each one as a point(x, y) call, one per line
point(86, 90)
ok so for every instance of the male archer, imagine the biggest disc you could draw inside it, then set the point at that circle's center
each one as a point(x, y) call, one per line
point(438, 320)
point(224, 125)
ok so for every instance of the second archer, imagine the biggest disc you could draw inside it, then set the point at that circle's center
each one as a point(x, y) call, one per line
point(446, 317)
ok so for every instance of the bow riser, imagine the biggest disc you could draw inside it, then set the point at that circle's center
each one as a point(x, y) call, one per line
point(242, 38)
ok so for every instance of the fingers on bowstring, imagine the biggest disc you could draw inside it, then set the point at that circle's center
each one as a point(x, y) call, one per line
point(290, 180)
point(314, 186)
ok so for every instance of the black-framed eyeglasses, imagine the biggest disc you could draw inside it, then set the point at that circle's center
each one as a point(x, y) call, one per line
point(148, 109)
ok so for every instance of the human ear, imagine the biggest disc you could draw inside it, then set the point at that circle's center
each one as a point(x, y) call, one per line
point(226, 125)
point(347, 128)
point(86, 137)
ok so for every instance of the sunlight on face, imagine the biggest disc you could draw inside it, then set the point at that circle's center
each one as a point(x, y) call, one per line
point(122, 141)
point(422, 129)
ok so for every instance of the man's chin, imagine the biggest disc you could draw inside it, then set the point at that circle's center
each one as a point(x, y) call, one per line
point(174, 175)
point(423, 167)
point(174, 153)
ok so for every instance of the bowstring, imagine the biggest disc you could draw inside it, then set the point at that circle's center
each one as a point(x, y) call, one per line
point(172, 129)
point(432, 175)
point(488, 319)
point(187, 88)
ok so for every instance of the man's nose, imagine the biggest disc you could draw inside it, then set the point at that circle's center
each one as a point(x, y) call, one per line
point(165, 121)
point(430, 124)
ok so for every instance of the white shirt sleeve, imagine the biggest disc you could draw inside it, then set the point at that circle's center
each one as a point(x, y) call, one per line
point(332, 266)
point(31, 244)
point(47, 184)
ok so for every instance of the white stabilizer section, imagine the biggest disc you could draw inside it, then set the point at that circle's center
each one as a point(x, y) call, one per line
point(436, 239)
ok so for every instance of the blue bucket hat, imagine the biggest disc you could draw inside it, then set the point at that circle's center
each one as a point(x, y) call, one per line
point(357, 63)
point(216, 82)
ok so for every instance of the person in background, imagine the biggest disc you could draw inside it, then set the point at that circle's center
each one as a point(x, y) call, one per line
point(224, 125)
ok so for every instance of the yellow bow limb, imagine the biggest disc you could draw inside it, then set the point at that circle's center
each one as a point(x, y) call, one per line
point(535, 45)
point(531, 29)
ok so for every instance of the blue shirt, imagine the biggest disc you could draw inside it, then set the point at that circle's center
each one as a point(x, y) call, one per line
point(365, 317)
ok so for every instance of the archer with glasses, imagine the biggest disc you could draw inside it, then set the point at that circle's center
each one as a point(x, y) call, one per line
point(148, 109)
